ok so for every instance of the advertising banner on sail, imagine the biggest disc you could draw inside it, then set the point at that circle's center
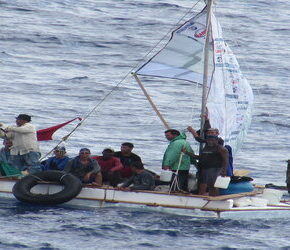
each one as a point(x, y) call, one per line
point(230, 97)
point(182, 57)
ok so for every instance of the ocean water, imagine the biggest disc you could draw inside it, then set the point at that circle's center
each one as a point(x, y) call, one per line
point(64, 59)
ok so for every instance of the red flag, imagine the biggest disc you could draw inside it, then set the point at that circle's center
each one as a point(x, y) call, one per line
point(46, 134)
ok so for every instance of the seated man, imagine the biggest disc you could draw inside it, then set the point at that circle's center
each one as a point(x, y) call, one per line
point(85, 168)
point(5, 151)
point(141, 180)
point(110, 167)
point(58, 161)
point(5, 167)
point(127, 157)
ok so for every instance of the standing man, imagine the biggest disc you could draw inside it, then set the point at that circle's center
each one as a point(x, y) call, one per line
point(127, 158)
point(24, 152)
point(173, 158)
point(213, 162)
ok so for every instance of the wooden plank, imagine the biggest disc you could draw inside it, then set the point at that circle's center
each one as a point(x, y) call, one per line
point(230, 196)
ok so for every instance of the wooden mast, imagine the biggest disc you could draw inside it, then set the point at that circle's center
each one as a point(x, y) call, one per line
point(205, 67)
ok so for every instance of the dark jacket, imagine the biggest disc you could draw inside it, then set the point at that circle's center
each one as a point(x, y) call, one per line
point(142, 181)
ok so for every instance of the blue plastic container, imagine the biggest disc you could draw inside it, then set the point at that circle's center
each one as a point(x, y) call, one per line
point(235, 188)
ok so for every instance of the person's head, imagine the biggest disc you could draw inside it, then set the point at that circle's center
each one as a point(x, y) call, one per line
point(170, 134)
point(59, 152)
point(212, 131)
point(212, 140)
point(137, 166)
point(108, 153)
point(7, 143)
point(22, 119)
point(84, 153)
point(127, 147)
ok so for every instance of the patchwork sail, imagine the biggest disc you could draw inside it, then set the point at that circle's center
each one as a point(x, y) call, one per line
point(229, 96)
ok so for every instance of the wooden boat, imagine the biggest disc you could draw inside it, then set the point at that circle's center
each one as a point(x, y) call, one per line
point(91, 196)
point(183, 58)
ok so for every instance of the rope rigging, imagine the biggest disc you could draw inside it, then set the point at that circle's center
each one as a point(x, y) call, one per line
point(65, 138)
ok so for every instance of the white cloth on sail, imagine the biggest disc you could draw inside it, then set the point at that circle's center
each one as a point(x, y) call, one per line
point(182, 57)
point(230, 97)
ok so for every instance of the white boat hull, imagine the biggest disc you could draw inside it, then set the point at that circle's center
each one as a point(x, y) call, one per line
point(98, 197)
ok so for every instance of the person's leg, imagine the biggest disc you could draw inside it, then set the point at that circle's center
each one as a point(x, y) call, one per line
point(202, 181)
point(98, 180)
point(183, 179)
point(115, 178)
point(17, 161)
point(213, 174)
point(202, 189)
point(32, 162)
point(213, 191)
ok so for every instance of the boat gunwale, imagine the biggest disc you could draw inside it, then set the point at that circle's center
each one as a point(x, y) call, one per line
point(209, 198)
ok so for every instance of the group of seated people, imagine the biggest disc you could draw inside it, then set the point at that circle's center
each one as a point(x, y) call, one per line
point(123, 168)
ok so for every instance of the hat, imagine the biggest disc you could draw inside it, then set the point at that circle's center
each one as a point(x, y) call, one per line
point(58, 148)
point(211, 137)
point(85, 150)
point(24, 117)
point(212, 129)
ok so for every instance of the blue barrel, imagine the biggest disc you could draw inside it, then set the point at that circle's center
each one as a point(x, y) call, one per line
point(235, 188)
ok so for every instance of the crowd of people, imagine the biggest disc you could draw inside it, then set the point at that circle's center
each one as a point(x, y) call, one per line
point(123, 169)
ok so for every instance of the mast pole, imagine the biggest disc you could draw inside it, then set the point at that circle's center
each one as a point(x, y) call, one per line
point(205, 68)
point(150, 101)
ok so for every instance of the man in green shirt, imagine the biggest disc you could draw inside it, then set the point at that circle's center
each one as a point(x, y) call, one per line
point(175, 160)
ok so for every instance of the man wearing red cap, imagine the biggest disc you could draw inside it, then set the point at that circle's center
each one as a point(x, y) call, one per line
point(25, 152)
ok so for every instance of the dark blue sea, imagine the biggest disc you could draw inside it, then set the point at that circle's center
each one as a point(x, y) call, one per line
point(60, 59)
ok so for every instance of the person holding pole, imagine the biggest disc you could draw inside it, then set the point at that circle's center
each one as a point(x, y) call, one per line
point(175, 160)
point(25, 153)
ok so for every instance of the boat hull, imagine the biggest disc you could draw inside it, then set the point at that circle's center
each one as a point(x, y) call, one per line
point(91, 196)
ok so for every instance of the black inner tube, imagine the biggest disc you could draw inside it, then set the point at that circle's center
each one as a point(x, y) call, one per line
point(72, 187)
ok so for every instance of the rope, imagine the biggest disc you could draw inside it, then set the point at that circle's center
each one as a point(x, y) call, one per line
point(119, 83)
point(174, 184)
point(167, 33)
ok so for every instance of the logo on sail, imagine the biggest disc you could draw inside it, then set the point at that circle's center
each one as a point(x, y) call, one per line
point(200, 33)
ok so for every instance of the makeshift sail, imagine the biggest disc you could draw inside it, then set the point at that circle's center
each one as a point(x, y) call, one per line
point(229, 96)
point(182, 57)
